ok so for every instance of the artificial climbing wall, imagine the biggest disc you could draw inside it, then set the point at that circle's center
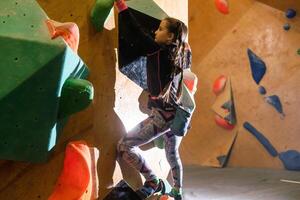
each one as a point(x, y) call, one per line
point(219, 43)
point(36, 181)
point(99, 124)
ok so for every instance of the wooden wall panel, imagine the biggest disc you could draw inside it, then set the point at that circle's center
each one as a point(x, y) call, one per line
point(260, 28)
point(207, 25)
point(283, 5)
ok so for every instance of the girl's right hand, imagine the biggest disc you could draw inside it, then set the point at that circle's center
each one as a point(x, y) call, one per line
point(121, 5)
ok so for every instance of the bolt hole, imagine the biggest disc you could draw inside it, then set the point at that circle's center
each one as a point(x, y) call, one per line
point(32, 26)
point(24, 14)
point(16, 59)
point(71, 15)
point(39, 196)
point(8, 15)
point(16, 3)
point(17, 126)
point(4, 22)
point(5, 143)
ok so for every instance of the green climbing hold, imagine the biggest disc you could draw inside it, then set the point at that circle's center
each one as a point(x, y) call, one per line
point(100, 12)
point(76, 95)
point(298, 51)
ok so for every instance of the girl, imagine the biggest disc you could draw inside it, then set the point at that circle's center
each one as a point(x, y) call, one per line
point(167, 55)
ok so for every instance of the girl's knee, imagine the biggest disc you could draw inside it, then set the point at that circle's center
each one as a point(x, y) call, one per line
point(122, 146)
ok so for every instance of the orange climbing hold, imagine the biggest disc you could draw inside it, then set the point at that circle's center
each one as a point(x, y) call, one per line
point(222, 6)
point(78, 179)
point(68, 30)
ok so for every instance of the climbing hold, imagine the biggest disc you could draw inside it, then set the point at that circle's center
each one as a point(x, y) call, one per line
point(275, 102)
point(223, 123)
point(290, 13)
point(76, 95)
point(219, 84)
point(78, 178)
point(69, 31)
point(261, 138)
point(290, 159)
point(258, 66)
point(286, 27)
point(229, 106)
point(262, 90)
point(100, 12)
point(298, 51)
point(222, 159)
point(222, 6)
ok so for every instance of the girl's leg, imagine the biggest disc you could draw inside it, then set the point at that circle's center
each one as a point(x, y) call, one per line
point(172, 143)
point(143, 133)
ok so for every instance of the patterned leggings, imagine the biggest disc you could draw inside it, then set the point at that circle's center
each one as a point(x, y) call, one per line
point(145, 132)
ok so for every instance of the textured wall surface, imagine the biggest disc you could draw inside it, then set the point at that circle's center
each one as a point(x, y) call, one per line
point(219, 44)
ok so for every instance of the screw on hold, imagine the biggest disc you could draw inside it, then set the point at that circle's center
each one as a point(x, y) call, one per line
point(262, 90)
point(287, 27)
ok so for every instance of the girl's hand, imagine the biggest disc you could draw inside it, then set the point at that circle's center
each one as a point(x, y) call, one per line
point(121, 5)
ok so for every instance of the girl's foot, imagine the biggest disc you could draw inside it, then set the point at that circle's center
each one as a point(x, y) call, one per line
point(176, 194)
point(149, 188)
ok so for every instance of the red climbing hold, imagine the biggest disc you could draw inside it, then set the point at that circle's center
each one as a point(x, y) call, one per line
point(219, 84)
point(223, 123)
point(222, 6)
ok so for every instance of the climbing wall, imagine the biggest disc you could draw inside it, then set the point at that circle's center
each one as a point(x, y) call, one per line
point(219, 43)
point(34, 69)
point(257, 26)
point(20, 177)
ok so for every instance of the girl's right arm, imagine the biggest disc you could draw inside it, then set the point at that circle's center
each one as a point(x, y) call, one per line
point(146, 43)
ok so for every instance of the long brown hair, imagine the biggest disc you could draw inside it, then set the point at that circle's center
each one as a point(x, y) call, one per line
point(180, 53)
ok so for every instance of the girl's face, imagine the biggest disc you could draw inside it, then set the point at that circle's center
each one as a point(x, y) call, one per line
point(162, 34)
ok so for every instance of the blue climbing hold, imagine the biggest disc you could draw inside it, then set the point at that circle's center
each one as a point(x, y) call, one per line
point(261, 138)
point(262, 90)
point(287, 27)
point(258, 66)
point(290, 13)
point(290, 159)
point(275, 102)
point(222, 159)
